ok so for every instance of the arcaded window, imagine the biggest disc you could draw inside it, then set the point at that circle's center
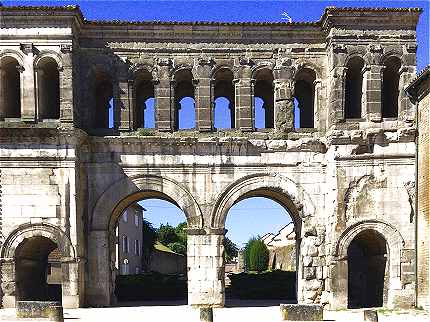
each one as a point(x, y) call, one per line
point(10, 94)
point(145, 102)
point(185, 112)
point(263, 99)
point(104, 113)
point(353, 88)
point(304, 97)
point(223, 99)
point(390, 87)
point(48, 89)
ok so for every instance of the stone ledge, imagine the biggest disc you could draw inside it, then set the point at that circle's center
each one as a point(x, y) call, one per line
point(301, 312)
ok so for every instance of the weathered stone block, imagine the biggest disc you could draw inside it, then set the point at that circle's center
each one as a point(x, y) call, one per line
point(301, 312)
point(40, 309)
point(370, 315)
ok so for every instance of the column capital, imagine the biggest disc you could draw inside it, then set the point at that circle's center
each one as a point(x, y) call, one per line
point(66, 48)
point(27, 48)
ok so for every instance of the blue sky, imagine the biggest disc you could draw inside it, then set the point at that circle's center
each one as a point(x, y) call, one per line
point(256, 215)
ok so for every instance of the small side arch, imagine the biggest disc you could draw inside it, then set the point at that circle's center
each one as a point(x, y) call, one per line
point(12, 54)
point(51, 54)
point(26, 231)
point(273, 186)
point(113, 201)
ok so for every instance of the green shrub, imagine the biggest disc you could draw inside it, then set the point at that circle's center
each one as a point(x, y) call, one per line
point(277, 285)
point(150, 286)
point(256, 255)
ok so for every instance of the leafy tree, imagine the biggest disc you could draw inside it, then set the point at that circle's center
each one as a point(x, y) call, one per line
point(256, 255)
point(166, 234)
point(174, 237)
point(230, 249)
point(149, 238)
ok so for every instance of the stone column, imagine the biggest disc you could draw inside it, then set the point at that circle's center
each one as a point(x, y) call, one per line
point(71, 292)
point(163, 96)
point(40, 92)
point(205, 268)
point(372, 92)
point(284, 100)
point(28, 99)
point(8, 285)
point(337, 95)
point(317, 101)
point(244, 97)
point(406, 108)
point(2, 95)
point(66, 85)
point(99, 290)
point(203, 91)
point(123, 102)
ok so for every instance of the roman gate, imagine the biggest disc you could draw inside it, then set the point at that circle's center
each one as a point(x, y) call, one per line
point(337, 148)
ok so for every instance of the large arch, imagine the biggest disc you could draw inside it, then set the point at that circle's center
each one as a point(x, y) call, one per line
point(272, 186)
point(125, 191)
point(395, 244)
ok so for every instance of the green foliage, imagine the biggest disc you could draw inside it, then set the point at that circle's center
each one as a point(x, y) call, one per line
point(279, 285)
point(149, 238)
point(173, 237)
point(256, 255)
point(145, 132)
point(150, 286)
point(230, 249)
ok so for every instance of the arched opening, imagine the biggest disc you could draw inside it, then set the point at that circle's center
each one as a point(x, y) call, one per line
point(304, 96)
point(150, 252)
point(144, 108)
point(353, 88)
point(38, 270)
point(260, 222)
point(390, 87)
point(367, 261)
point(185, 112)
point(48, 89)
point(224, 99)
point(263, 90)
point(103, 94)
point(10, 91)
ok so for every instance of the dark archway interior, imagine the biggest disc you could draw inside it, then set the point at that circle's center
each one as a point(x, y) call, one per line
point(304, 92)
point(367, 260)
point(38, 270)
point(390, 87)
point(353, 88)
point(144, 90)
point(10, 104)
point(103, 97)
point(48, 79)
point(224, 87)
point(264, 89)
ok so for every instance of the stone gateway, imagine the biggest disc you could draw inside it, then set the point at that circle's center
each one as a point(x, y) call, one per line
point(336, 148)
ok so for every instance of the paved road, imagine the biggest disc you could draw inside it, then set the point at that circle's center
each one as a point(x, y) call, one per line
point(182, 313)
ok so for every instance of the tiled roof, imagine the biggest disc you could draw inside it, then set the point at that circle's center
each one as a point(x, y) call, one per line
point(204, 23)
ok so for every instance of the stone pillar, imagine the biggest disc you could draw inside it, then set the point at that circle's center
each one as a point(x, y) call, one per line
point(244, 97)
point(317, 101)
point(337, 95)
point(28, 99)
point(339, 284)
point(40, 93)
point(372, 92)
point(66, 85)
point(99, 290)
point(205, 269)
point(71, 293)
point(406, 108)
point(163, 96)
point(8, 285)
point(122, 102)
point(204, 99)
point(284, 100)
point(2, 94)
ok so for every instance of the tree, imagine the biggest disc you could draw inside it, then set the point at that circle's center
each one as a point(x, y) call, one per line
point(230, 249)
point(256, 255)
point(148, 242)
point(174, 237)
